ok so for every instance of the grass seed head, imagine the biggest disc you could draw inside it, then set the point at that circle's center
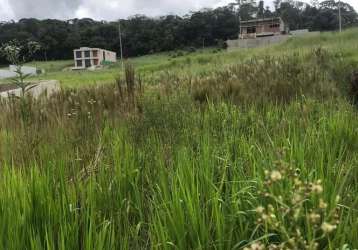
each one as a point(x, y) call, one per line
point(328, 228)
point(276, 176)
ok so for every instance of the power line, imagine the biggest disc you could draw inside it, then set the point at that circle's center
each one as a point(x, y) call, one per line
point(120, 42)
point(340, 16)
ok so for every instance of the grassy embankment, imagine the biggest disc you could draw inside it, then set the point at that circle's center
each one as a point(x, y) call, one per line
point(225, 151)
point(201, 61)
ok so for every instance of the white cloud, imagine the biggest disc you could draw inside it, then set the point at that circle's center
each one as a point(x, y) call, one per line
point(60, 9)
point(6, 12)
point(107, 10)
point(111, 9)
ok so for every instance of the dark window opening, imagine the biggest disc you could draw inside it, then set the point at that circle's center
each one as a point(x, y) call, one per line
point(95, 53)
point(88, 63)
point(78, 54)
point(87, 53)
point(276, 25)
point(251, 30)
point(104, 56)
point(79, 63)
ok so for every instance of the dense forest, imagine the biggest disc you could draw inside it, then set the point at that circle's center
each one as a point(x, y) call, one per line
point(144, 35)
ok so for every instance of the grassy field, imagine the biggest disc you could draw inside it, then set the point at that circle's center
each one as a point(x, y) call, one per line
point(202, 61)
point(252, 149)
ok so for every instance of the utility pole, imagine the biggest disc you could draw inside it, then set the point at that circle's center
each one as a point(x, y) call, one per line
point(340, 15)
point(120, 43)
point(238, 4)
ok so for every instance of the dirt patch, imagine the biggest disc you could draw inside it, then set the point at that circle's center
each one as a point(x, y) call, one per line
point(7, 87)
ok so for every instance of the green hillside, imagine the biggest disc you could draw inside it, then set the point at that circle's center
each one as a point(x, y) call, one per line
point(203, 60)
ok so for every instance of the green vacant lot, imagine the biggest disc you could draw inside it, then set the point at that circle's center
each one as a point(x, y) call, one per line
point(201, 61)
point(252, 149)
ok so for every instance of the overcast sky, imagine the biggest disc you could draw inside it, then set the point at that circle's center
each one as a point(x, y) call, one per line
point(106, 9)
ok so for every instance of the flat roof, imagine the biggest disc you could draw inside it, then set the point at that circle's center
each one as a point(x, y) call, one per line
point(87, 48)
point(263, 20)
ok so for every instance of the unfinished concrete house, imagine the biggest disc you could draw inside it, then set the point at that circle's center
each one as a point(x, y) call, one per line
point(260, 32)
point(262, 28)
point(92, 57)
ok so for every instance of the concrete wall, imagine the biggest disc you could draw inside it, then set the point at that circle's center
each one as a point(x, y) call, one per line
point(299, 32)
point(42, 88)
point(304, 33)
point(9, 73)
point(110, 56)
point(257, 42)
point(6, 74)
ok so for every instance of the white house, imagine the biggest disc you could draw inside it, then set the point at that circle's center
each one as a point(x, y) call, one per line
point(87, 57)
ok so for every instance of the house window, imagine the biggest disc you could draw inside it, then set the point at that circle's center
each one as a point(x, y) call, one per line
point(95, 61)
point(78, 54)
point(251, 30)
point(276, 25)
point(88, 63)
point(95, 53)
point(79, 63)
point(87, 53)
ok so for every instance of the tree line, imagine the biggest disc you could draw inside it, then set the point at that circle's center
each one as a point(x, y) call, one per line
point(144, 35)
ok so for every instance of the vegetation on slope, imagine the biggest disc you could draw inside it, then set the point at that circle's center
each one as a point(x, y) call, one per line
point(260, 153)
point(144, 35)
point(153, 68)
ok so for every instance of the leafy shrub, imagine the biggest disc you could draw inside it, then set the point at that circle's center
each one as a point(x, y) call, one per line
point(177, 54)
point(221, 44)
point(191, 50)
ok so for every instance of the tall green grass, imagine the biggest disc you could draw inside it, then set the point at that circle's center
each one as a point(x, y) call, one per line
point(176, 175)
point(259, 155)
